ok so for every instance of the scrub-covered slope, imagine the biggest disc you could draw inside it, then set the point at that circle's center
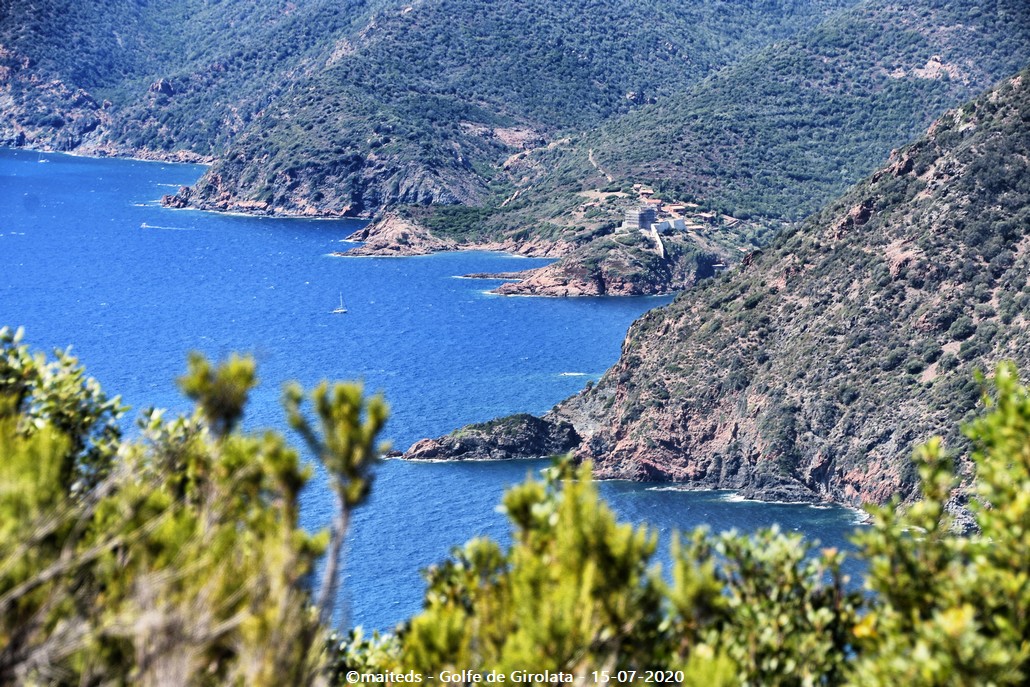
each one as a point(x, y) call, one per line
point(812, 370)
point(152, 79)
point(425, 102)
point(342, 107)
point(765, 141)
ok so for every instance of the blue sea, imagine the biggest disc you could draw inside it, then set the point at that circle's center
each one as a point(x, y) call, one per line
point(89, 258)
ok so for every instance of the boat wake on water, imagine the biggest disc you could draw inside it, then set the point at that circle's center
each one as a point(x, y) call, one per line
point(144, 225)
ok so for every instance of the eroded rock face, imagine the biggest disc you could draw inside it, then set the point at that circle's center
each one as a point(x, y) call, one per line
point(162, 87)
point(44, 113)
point(394, 235)
point(813, 371)
point(516, 436)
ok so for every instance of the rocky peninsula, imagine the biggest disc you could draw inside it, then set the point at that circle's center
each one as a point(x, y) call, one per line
point(814, 370)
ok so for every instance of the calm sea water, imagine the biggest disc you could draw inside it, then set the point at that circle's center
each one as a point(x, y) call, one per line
point(89, 258)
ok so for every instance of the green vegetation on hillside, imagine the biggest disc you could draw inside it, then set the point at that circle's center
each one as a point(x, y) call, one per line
point(772, 137)
point(335, 105)
point(814, 368)
point(420, 108)
point(784, 130)
point(176, 557)
point(764, 111)
point(223, 62)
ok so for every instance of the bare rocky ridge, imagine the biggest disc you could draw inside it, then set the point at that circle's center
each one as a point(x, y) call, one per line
point(812, 371)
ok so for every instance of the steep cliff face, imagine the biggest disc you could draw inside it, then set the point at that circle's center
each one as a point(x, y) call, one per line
point(44, 112)
point(812, 370)
point(351, 186)
point(817, 367)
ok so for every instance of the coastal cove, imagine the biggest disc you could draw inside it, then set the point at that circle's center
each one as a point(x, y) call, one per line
point(89, 258)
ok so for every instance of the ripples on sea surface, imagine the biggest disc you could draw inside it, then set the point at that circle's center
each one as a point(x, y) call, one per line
point(89, 258)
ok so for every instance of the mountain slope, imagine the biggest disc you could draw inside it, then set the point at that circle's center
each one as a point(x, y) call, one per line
point(161, 77)
point(343, 107)
point(785, 130)
point(426, 101)
point(767, 140)
point(812, 370)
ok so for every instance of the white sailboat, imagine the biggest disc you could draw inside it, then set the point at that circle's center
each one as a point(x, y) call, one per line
point(341, 310)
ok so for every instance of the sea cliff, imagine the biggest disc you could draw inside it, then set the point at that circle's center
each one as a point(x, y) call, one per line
point(813, 370)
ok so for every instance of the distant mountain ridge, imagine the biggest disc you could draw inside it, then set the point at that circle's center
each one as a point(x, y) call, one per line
point(515, 124)
point(343, 107)
point(768, 139)
point(812, 371)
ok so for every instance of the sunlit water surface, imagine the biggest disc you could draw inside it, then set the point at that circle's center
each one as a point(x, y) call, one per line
point(89, 258)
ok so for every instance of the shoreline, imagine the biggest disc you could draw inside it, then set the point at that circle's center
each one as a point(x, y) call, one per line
point(858, 513)
point(155, 156)
point(254, 215)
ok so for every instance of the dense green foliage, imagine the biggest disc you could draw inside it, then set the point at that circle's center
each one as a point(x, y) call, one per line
point(175, 558)
point(184, 564)
point(421, 108)
point(784, 130)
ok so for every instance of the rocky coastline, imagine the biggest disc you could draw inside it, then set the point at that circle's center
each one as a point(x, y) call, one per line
point(607, 266)
point(562, 431)
point(815, 370)
point(520, 436)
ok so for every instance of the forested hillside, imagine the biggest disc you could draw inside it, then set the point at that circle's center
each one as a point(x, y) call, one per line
point(519, 125)
point(767, 140)
point(812, 370)
point(426, 101)
point(784, 130)
point(344, 107)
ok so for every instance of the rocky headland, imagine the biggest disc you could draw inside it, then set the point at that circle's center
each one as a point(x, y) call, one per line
point(620, 265)
point(614, 265)
point(394, 234)
point(812, 371)
point(516, 436)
